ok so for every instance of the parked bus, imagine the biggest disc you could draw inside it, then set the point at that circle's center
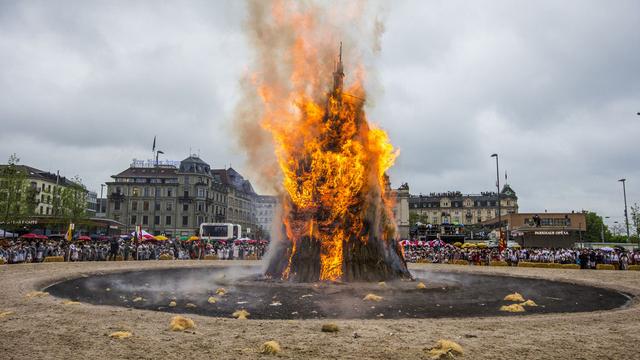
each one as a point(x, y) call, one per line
point(220, 231)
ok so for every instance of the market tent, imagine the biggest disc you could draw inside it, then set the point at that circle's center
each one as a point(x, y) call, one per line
point(161, 238)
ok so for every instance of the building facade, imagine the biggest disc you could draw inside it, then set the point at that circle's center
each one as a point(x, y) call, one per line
point(241, 200)
point(49, 194)
point(167, 199)
point(461, 209)
point(549, 230)
point(267, 208)
point(401, 210)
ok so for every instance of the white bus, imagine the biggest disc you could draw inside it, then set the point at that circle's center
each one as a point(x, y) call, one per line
point(220, 231)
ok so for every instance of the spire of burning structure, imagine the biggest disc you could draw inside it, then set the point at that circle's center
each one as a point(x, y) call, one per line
point(338, 75)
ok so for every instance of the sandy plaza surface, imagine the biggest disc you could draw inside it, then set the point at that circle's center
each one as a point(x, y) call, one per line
point(46, 328)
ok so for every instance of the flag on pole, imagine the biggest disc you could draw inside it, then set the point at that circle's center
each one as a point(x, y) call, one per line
point(69, 235)
point(505, 176)
point(154, 144)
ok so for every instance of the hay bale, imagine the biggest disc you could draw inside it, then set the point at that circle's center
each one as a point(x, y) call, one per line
point(36, 294)
point(329, 327)
point(525, 264)
point(120, 335)
point(529, 303)
point(181, 323)
point(382, 284)
point(165, 257)
point(211, 257)
point(605, 267)
point(514, 308)
point(212, 300)
point(172, 304)
point(191, 305)
point(241, 314)
point(555, 266)
point(634, 267)
point(54, 259)
point(119, 258)
point(70, 302)
point(421, 286)
point(571, 266)
point(514, 297)
point(460, 262)
point(270, 348)
point(445, 349)
point(138, 299)
point(2, 262)
point(372, 297)
point(221, 291)
point(498, 263)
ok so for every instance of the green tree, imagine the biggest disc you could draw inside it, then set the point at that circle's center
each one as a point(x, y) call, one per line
point(595, 228)
point(17, 197)
point(73, 201)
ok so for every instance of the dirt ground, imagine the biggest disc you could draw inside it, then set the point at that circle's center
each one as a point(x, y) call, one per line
point(45, 328)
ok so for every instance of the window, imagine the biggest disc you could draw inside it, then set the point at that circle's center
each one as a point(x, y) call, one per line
point(116, 205)
point(169, 192)
point(156, 220)
point(119, 190)
point(169, 205)
point(186, 193)
point(135, 192)
point(145, 206)
point(200, 220)
point(147, 192)
point(41, 210)
point(145, 220)
point(134, 206)
point(157, 206)
point(134, 219)
point(167, 220)
point(200, 207)
point(200, 192)
point(158, 192)
point(185, 221)
point(185, 207)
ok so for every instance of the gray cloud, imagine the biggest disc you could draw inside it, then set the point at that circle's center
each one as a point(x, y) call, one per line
point(551, 86)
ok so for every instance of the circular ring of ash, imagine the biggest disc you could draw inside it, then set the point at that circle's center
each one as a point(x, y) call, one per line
point(199, 291)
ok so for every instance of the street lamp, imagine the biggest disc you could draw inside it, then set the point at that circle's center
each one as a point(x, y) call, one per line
point(626, 215)
point(498, 187)
point(602, 229)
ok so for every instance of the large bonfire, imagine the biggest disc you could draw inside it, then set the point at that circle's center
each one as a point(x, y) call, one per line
point(337, 207)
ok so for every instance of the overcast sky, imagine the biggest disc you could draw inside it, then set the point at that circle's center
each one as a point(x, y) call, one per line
point(552, 86)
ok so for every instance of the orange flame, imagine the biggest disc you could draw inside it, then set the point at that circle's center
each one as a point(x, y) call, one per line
point(332, 161)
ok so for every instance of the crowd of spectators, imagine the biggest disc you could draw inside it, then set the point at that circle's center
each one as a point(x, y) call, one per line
point(15, 251)
point(585, 258)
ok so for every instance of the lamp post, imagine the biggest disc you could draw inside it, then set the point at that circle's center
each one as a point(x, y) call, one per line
point(155, 196)
point(602, 229)
point(626, 215)
point(498, 188)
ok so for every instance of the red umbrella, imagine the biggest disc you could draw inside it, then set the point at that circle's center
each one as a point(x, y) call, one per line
point(42, 237)
point(252, 241)
point(30, 236)
point(84, 238)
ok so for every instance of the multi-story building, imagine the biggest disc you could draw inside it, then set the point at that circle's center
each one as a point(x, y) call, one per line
point(401, 210)
point(456, 208)
point(167, 199)
point(266, 209)
point(241, 205)
point(92, 204)
point(46, 189)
